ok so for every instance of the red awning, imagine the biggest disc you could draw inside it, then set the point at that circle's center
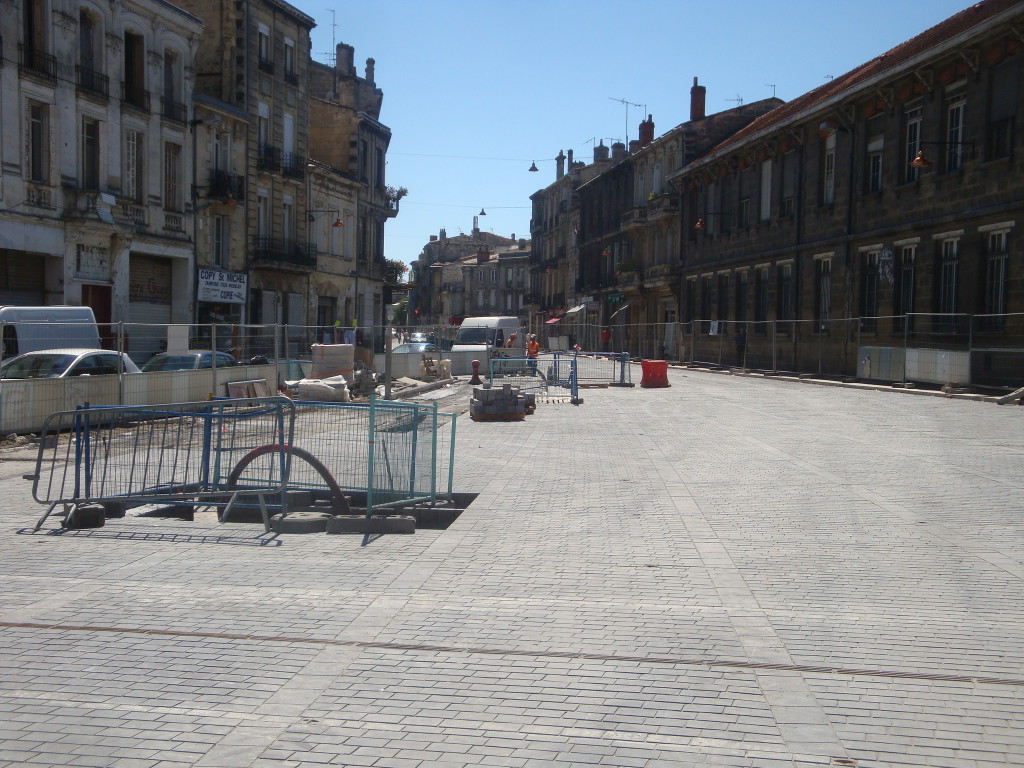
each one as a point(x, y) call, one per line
point(552, 321)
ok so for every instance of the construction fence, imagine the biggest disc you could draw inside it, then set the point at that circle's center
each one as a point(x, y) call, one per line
point(980, 350)
point(229, 453)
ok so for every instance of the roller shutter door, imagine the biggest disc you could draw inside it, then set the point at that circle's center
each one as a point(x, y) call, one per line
point(149, 303)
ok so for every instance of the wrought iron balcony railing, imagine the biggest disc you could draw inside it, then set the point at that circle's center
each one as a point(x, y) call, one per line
point(93, 82)
point(36, 62)
point(276, 250)
point(268, 158)
point(173, 110)
point(224, 185)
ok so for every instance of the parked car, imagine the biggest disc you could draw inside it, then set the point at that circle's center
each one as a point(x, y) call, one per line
point(417, 347)
point(418, 336)
point(62, 363)
point(191, 360)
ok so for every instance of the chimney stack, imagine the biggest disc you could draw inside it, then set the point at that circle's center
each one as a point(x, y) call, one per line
point(570, 159)
point(560, 165)
point(344, 60)
point(647, 131)
point(698, 96)
point(618, 151)
point(370, 63)
point(601, 153)
point(634, 145)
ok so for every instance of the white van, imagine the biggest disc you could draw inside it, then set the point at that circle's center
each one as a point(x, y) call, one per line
point(482, 334)
point(29, 329)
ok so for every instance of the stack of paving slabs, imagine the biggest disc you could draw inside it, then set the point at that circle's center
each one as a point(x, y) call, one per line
point(506, 403)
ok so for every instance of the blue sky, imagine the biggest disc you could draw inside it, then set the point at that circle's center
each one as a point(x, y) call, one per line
point(476, 91)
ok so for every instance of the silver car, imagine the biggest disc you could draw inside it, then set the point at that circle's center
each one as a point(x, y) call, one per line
point(62, 363)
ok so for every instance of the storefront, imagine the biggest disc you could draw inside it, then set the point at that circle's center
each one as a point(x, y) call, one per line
point(220, 300)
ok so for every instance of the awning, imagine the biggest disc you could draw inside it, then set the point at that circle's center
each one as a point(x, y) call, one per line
point(552, 321)
point(627, 305)
point(574, 310)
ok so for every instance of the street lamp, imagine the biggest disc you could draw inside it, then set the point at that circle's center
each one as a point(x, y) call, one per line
point(337, 222)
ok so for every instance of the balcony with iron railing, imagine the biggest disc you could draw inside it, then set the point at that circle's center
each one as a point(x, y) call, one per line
point(91, 82)
point(661, 275)
point(223, 185)
point(290, 77)
point(135, 97)
point(291, 255)
point(292, 165)
point(265, 65)
point(173, 110)
point(634, 217)
point(32, 61)
point(268, 158)
point(662, 204)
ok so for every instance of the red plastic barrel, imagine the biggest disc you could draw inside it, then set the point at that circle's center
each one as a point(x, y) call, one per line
point(655, 373)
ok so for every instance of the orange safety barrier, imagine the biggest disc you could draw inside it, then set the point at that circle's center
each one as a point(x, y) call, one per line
point(655, 373)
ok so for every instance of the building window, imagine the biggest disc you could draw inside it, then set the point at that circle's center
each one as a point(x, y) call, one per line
point(220, 241)
point(743, 215)
point(723, 298)
point(828, 170)
point(912, 144)
point(262, 214)
point(903, 295)
point(1003, 101)
point(761, 300)
point(266, 59)
point(90, 153)
point(289, 60)
point(995, 281)
point(822, 294)
point(874, 160)
point(869, 293)
point(287, 220)
point(766, 190)
point(691, 299)
point(784, 300)
point(135, 71)
point(172, 177)
point(705, 302)
point(955, 135)
point(38, 143)
point(789, 170)
point(948, 284)
point(133, 154)
point(742, 279)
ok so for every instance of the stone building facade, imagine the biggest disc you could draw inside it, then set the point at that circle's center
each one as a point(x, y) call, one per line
point(347, 135)
point(254, 55)
point(871, 227)
point(95, 148)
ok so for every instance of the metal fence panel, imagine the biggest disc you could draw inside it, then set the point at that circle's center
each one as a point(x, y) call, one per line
point(394, 453)
point(186, 453)
point(553, 375)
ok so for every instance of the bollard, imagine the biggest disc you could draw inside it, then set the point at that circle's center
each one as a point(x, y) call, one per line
point(475, 381)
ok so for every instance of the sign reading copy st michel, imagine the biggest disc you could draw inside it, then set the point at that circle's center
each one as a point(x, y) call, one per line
point(217, 286)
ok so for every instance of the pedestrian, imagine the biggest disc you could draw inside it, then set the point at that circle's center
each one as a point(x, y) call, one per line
point(606, 337)
point(511, 343)
point(532, 350)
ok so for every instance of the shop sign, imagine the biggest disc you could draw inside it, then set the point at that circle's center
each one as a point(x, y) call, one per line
point(221, 287)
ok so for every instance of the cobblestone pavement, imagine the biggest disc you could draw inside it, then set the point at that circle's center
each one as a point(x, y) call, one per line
point(728, 572)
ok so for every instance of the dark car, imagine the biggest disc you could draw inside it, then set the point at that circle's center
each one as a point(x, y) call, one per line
point(62, 363)
point(191, 360)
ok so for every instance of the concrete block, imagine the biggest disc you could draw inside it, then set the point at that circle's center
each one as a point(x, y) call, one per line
point(372, 524)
